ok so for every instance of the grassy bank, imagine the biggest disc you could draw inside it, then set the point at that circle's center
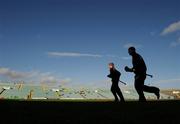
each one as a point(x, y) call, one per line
point(90, 111)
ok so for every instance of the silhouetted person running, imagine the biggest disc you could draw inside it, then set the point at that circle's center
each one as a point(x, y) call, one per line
point(139, 68)
point(115, 75)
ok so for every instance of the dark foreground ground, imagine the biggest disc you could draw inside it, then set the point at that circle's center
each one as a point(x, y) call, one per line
point(95, 112)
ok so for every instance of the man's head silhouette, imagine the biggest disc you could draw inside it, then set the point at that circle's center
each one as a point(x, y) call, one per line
point(132, 51)
point(111, 65)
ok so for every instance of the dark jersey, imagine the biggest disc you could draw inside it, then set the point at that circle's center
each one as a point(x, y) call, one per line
point(114, 75)
point(138, 64)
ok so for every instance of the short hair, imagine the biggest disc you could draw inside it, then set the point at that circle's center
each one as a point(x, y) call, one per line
point(111, 63)
point(132, 48)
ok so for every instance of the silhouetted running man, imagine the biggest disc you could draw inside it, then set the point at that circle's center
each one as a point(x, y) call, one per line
point(139, 68)
point(115, 75)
